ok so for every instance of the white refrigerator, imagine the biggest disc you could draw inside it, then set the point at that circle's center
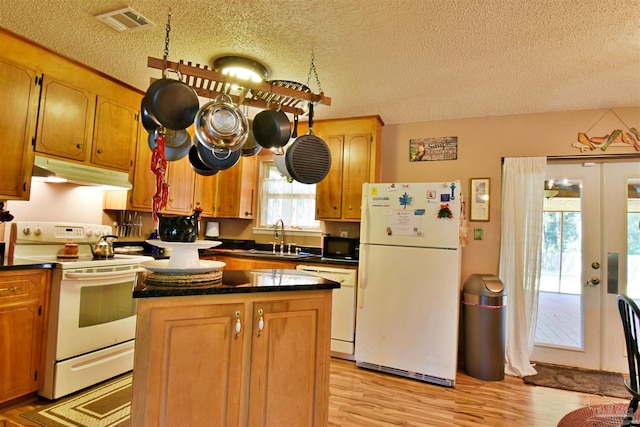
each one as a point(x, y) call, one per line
point(409, 280)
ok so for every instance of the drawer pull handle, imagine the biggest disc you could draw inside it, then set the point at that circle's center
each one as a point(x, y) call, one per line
point(260, 323)
point(13, 289)
point(238, 326)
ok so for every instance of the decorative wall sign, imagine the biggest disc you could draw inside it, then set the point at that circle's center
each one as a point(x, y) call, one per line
point(425, 149)
point(479, 199)
point(627, 137)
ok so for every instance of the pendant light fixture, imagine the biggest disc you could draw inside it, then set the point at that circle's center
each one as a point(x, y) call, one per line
point(241, 67)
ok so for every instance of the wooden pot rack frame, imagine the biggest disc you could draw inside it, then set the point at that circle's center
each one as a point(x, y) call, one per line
point(208, 83)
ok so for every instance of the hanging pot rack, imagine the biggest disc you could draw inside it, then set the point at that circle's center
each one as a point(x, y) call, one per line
point(208, 83)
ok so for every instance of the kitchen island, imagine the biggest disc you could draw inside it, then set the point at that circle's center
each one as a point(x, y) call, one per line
point(251, 350)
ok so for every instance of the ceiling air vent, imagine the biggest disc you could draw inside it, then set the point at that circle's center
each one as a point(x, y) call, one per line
point(125, 20)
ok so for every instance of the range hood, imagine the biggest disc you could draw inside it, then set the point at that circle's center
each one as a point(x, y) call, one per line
point(54, 170)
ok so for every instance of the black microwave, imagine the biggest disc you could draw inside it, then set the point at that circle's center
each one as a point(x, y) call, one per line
point(342, 248)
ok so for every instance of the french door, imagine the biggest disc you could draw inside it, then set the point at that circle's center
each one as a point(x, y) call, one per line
point(591, 252)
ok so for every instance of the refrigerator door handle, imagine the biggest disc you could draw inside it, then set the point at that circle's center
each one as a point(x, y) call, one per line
point(362, 276)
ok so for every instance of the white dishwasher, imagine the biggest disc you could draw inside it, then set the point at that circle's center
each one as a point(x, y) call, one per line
point(343, 308)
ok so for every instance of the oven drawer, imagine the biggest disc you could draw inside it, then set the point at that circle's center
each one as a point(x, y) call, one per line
point(83, 371)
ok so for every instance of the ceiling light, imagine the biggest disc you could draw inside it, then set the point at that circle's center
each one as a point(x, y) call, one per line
point(241, 67)
point(125, 20)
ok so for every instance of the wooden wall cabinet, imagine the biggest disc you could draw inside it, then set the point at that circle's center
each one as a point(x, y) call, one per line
point(19, 91)
point(65, 124)
point(23, 312)
point(258, 359)
point(82, 115)
point(355, 146)
point(181, 179)
point(76, 124)
point(229, 193)
point(142, 178)
point(115, 134)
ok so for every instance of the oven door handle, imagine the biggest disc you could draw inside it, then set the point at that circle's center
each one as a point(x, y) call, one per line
point(106, 274)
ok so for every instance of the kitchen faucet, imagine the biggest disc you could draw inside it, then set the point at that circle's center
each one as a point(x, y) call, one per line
point(275, 234)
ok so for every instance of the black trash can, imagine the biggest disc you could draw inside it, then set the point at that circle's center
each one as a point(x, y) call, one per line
point(484, 312)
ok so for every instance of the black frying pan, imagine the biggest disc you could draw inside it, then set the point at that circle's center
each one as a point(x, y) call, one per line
point(198, 165)
point(212, 161)
point(308, 159)
point(171, 103)
point(271, 128)
point(149, 124)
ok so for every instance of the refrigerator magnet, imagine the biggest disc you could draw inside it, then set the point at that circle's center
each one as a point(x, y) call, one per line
point(444, 197)
point(445, 212)
point(432, 195)
point(405, 200)
point(453, 191)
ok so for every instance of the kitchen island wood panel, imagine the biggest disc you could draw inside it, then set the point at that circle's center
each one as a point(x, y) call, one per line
point(253, 351)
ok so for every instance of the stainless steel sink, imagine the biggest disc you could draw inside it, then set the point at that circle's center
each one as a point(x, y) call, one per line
point(271, 254)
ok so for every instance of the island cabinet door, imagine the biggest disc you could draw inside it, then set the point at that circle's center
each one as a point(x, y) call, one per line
point(188, 365)
point(289, 379)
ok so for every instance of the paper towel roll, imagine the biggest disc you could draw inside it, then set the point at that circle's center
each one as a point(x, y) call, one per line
point(213, 229)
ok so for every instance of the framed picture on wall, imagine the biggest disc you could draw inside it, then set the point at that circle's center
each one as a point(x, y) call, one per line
point(479, 198)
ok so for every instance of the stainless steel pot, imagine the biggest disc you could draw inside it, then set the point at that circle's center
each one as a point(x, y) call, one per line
point(221, 125)
point(213, 161)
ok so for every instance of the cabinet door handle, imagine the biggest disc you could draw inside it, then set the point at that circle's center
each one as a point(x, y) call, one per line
point(260, 322)
point(247, 213)
point(12, 289)
point(78, 145)
point(99, 150)
point(238, 326)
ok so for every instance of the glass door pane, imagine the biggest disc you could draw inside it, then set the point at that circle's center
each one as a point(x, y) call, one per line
point(560, 281)
point(633, 238)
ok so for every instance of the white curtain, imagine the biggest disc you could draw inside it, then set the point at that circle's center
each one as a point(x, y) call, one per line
point(520, 256)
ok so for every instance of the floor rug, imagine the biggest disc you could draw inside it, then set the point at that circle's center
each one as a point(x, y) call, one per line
point(581, 380)
point(106, 405)
point(609, 415)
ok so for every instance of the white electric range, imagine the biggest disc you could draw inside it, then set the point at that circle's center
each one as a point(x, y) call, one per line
point(92, 313)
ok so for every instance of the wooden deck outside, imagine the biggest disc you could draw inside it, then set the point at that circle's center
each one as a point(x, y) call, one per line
point(559, 320)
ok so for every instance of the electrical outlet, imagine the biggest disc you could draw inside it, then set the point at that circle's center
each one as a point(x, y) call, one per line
point(344, 233)
point(477, 233)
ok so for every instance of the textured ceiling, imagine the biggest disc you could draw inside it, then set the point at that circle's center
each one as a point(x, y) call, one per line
point(406, 60)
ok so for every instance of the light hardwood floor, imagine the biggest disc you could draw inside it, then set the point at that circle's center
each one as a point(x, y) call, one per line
point(365, 398)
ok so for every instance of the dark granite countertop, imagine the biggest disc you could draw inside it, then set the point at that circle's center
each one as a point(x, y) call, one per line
point(242, 281)
point(22, 264)
point(268, 255)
